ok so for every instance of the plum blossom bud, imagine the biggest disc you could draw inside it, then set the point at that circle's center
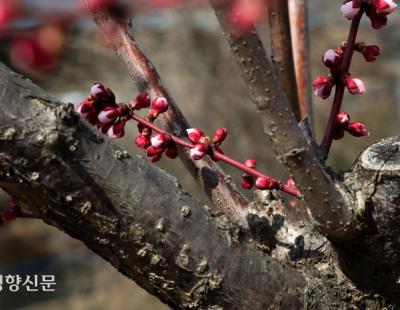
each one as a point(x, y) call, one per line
point(251, 163)
point(354, 86)
point(108, 115)
point(99, 92)
point(153, 154)
point(172, 151)
point(385, 7)
point(143, 141)
point(323, 86)
point(265, 183)
point(370, 52)
point(160, 140)
point(338, 133)
point(195, 134)
point(85, 107)
point(343, 119)
point(220, 136)
point(247, 181)
point(159, 105)
point(198, 151)
point(116, 130)
point(141, 101)
point(333, 58)
point(358, 129)
point(350, 8)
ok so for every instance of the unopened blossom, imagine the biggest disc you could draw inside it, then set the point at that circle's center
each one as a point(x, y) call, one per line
point(99, 92)
point(323, 86)
point(116, 130)
point(220, 136)
point(195, 134)
point(153, 154)
point(141, 101)
point(198, 151)
point(247, 181)
point(338, 133)
point(370, 52)
point(251, 163)
point(358, 129)
point(354, 86)
point(160, 140)
point(343, 119)
point(159, 105)
point(143, 141)
point(172, 151)
point(385, 7)
point(350, 8)
point(333, 58)
point(265, 183)
point(108, 115)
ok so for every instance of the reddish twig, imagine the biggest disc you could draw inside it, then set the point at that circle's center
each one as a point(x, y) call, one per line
point(301, 54)
point(219, 156)
point(340, 87)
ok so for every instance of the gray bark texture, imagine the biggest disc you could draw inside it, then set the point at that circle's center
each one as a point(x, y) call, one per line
point(137, 217)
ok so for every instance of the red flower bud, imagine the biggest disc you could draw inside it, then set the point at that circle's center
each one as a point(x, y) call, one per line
point(338, 133)
point(195, 134)
point(354, 86)
point(99, 92)
point(370, 52)
point(108, 115)
point(323, 86)
point(198, 151)
point(142, 141)
point(343, 119)
point(358, 129)
point(159, 105)
point(116, 130)
point(172, 151)
point(350, 8)
point(333, 58)
point(265, 183)
point(377, 20)
point(142, 101)
point(385, 7)
point(160, 140)
point(247, 181)
point(220, 136)
point(251, 163)
point(153, 154)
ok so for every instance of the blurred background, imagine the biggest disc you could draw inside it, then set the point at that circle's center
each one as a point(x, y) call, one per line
point(190, 54)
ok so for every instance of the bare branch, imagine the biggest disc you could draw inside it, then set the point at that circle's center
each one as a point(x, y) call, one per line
point(130, 212)
point(222, 192)
point(327, 204)
point(281, 52)
point(298, 12)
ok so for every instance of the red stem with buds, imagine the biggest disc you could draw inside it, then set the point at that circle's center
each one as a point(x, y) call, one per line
point(340, 87)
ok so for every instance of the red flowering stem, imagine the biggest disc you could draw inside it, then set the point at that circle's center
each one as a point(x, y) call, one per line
point(219, 156)
point(340, 87)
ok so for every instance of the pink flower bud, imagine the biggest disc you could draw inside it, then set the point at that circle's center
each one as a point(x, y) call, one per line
point(99, 92)
point(343, 119)
point(247, 182)
point(385, 7)
point(198, 151)
point(195, 134)
point(220, 135)
point(85, 107)
point(108, 115)
point(153, 154)
point(142, 141)
point(159, 105)
point(358, 129)
point(116, 130)
point(350, 8)
point(251, 163)
point(265, 183)
point(370, 52)
point(142, 101)
point(160, 140)
point(172, 151)
point(354, 86)
point(323, 86)
point(333, 58)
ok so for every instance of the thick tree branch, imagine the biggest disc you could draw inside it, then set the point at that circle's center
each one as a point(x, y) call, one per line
point(325, 201)
point(281, 52)
point(222, 192)
point(301, 54)
point(130, 212)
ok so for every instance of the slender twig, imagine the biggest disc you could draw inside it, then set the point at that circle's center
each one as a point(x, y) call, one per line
point(340, 87)
point(223, 193)
point(326, 203)
point(219, 156)
point(281, 51)
point(301, 54)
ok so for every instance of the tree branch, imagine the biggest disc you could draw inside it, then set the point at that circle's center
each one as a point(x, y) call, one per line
point(327, 204)
point(222, 192)
point(130, 212)
point(281, 52)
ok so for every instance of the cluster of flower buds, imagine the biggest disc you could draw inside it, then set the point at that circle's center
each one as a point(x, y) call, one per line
point(356, 129)
point(376, 10)
point(204, 145)
point(262, 183)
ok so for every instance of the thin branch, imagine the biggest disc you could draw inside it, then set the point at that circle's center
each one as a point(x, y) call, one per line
point(224, 195)
point(340, 87)
point(298, 12)
point(130, 212)
point(281, 52)
point(327, 204)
